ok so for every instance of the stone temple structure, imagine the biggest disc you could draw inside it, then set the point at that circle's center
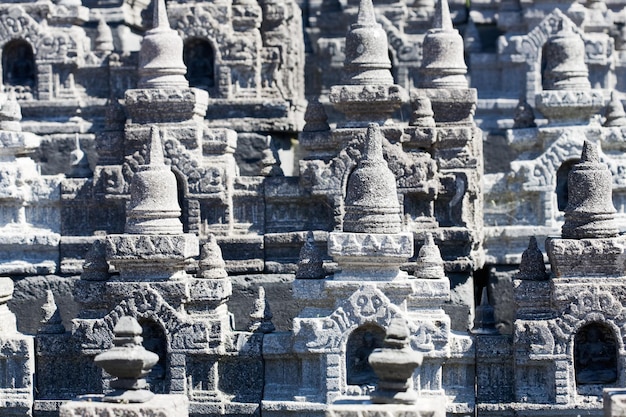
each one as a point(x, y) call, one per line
point(319, 208)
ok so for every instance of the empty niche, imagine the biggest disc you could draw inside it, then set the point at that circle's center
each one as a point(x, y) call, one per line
point(595, 355)
point(361, 343)
point(561, 183)
point(199, 58)
point(154, 340)
point(18, 64)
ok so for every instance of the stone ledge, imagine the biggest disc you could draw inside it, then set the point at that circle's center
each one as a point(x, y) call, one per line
point(93, 406)
point(151, 247)
point(587, 257)
point(373, 245)
point(425, 407)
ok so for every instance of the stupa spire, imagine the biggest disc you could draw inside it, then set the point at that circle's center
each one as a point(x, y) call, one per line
point(443, 63)
point(161, 56)
point(367, 60)
point(154, 205)
point(442, 18)
point(371, 199)
point(590, 212)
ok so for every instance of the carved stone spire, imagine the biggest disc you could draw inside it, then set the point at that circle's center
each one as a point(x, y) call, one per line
point(371, 198)
point(564, 55)
point(96, 267)
point(484, 322)
point(129, 362)
point(443, 64)
point(261, 315)
point(422, 115)
point(367, 60)
point(590, 212)
point(211, 265)
point(394, 364)
point(615, 115)
point(524, 115)
point(310, 262)
point(104, 38)
point(153, 207)
point(51, 322)
point(429, 261)
point(532, 267)
point(315, 117)
point(161, 56)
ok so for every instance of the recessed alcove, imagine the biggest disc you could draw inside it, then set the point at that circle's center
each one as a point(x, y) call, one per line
point(18, 65)
point(361, 343)
point(595, 355)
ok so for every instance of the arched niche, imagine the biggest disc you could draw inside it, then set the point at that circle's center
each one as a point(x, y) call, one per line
point(199, 57)
point(595, 355)
point(18, 64)
point(154, 340)
point(363, 340)
point(561, 183)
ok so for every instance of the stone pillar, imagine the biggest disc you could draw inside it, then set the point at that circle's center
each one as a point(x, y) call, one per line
point(17, 359)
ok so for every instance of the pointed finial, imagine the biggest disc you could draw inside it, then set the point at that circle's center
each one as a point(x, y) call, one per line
point(484, 298)
point(211, 265)
point(95, 267)
point(373, 150)
point(615, 114)
point(310, 262)
point(51, 322)
point(429, 264)
point(524, 115)
point(155, 148)
point(261, 315)
point(485, 322)
point(532, 266)
point(315, 117)
point(442, 19)
point(590, 153)
point(160, 19)
point(366, 14)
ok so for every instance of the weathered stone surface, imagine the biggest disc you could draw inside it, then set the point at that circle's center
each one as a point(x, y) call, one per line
point(590, 212)
point(18, 358)
point(92, 406)
point(129, 362)
point(427, 407)
point(586, 257)
point(394, 364)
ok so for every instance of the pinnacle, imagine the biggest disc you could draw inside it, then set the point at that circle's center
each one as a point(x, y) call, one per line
point(373, 150)
point(155, 148)
point(590, 153)
point(366, 16)
point(442, 17)
point(160, 20)
point(484, 297)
